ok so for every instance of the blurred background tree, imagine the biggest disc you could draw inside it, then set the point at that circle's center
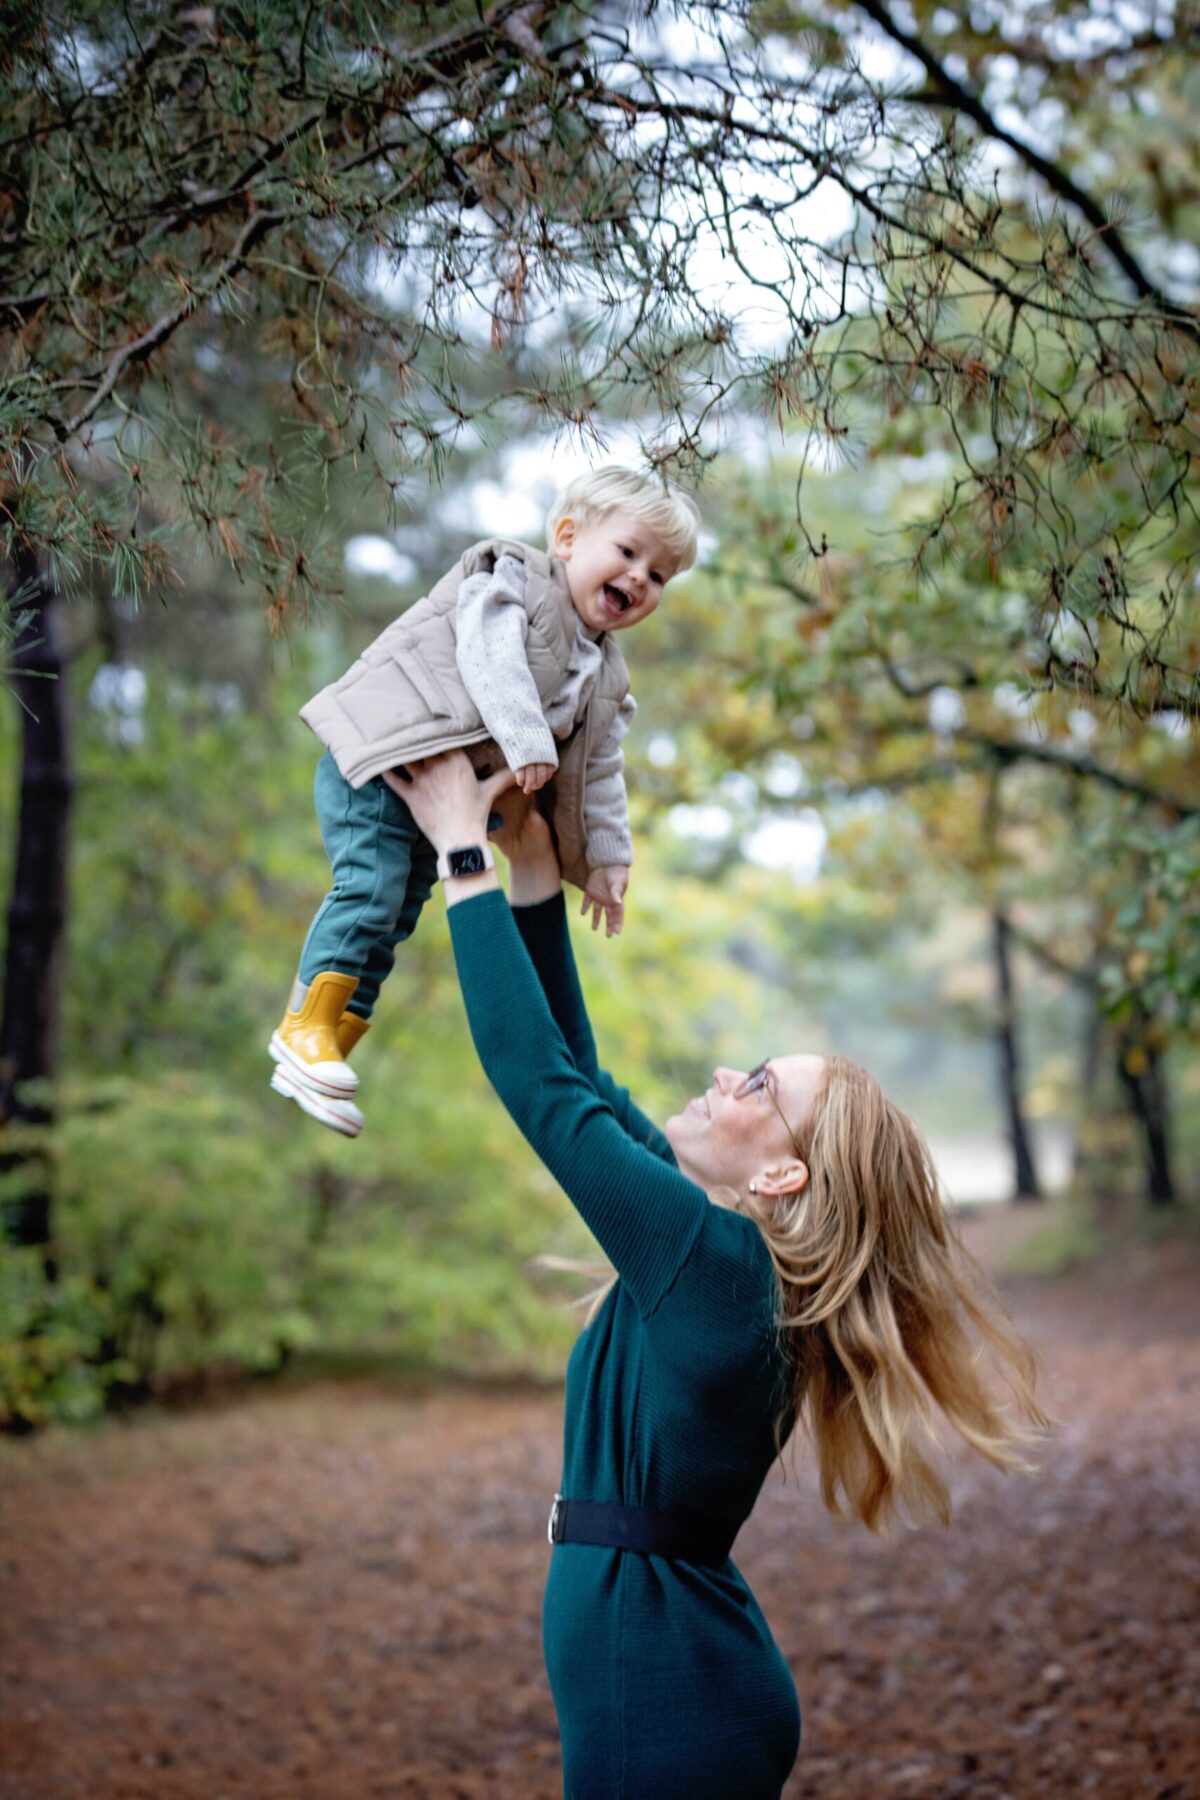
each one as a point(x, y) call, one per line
point(279, 277)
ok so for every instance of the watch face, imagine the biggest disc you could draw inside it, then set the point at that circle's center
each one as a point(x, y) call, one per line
point(467, 862)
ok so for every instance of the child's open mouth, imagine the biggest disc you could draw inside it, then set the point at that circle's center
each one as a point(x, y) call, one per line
point(614, 599)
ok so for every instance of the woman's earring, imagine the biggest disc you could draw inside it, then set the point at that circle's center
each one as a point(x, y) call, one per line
point(754, 1187)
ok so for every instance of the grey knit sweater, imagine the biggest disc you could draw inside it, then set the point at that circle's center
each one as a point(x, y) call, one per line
point(490, 632)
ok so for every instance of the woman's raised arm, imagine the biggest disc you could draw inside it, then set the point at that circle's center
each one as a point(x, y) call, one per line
point(645, 1215)
point(539, 910)
point(643, 1212)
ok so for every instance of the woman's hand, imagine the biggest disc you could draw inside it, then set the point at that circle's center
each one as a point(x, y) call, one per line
point(526, 841)
point(446, 799)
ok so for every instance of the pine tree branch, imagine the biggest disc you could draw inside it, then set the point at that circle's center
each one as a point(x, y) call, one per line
point(157, 334)
point(822, 165)
point(1084, 768)
point(1004, 753)
point(437, 61)
point(923, 774)
point(952, 92)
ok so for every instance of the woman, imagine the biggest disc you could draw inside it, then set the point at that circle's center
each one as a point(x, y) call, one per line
point(780, 1252)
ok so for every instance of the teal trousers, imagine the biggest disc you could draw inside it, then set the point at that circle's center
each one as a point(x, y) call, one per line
point(384, 869)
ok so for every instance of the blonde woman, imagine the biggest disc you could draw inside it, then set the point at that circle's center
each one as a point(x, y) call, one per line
point(781, 1257)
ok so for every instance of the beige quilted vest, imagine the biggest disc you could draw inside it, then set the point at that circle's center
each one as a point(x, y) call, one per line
point(404, 697)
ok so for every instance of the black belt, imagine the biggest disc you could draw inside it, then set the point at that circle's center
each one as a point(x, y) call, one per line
point(686, 1537)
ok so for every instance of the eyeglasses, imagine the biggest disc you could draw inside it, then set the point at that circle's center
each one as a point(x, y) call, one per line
point(763, 1077)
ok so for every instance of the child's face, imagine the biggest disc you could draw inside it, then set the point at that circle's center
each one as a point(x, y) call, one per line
point(617, 568)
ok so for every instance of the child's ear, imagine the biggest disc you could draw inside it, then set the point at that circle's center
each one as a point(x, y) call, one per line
point(564, 536)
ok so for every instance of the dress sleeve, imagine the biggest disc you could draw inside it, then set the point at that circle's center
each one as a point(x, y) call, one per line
point(645, 1215)
point(545, 934)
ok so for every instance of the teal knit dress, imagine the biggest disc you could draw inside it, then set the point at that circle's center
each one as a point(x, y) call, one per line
point(665, 1676)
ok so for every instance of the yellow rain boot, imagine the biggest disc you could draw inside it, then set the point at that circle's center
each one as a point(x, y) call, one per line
point(306, 1044)
point(350, 1028)
point(339, 1115)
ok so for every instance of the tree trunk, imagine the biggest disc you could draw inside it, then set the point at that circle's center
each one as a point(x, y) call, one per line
point(29, 1018)
point(1091, 1170)
point(1024, 1168)
point(1143, 1078)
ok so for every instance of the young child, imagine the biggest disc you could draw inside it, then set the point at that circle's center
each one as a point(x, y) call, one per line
point(512, 657)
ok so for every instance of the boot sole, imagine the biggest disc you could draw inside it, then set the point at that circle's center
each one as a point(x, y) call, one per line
point(315, 1105)
point(283, 1054)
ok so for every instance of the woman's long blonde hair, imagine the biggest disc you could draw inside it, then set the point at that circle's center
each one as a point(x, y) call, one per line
point(885, 1315)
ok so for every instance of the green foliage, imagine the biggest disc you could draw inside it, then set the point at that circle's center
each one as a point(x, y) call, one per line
point(910, 712)
point(1155, 966)
point(252, 259)
point(54, 1345)
point(201, 1219)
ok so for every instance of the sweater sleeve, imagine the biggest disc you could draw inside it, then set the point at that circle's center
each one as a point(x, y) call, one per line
point(645, 1215)
point(490, 627)
point(605, 805)
point(544, 932)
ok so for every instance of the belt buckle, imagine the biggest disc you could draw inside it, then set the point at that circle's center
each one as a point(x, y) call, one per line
point(552, 1522)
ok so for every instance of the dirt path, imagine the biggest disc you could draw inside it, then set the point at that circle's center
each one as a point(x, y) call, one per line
point(333, 1594)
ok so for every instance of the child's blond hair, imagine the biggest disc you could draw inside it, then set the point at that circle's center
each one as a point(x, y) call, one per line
point(670, 514)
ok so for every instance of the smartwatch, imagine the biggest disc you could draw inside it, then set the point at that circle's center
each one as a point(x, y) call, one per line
point(469, 859)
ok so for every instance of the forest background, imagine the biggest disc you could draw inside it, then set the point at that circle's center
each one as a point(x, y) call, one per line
point(296, 304)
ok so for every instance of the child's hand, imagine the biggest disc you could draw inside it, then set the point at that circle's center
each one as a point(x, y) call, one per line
point(605, 893)
point(534, 776)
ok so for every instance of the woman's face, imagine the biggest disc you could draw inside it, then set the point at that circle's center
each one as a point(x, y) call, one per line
point(721, 1140)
